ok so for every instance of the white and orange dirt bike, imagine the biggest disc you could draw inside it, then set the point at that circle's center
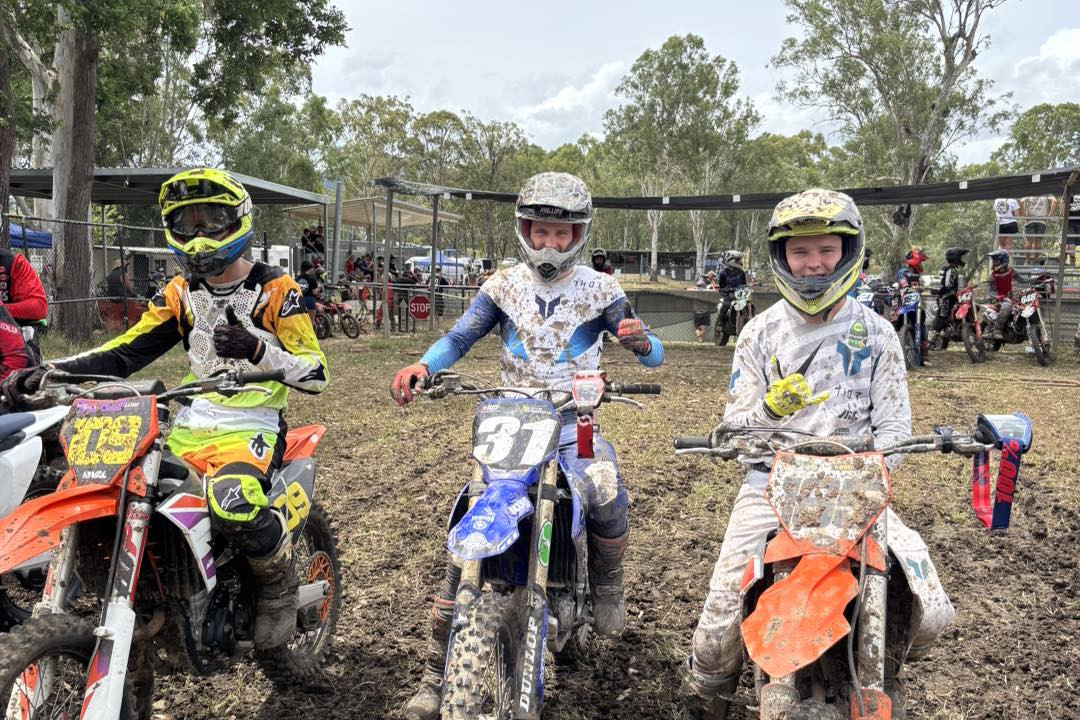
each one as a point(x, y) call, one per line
point(826, 604)
point(136, 580)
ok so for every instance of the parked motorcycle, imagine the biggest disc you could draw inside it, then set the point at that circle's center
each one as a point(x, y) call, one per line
point(731, 323)
point(812, 656)
point(331, 311)
point(1026, 323)
point(518, 532)
point(124, 501)
point(31, 464)
point(909, 321)
point(964, 325)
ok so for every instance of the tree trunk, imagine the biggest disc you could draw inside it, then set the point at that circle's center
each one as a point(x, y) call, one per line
point(7, 138)
point(654, 217)
point(76, 62)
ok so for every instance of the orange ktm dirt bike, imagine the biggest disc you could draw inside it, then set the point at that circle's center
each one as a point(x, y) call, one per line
point(827, 605)
point(129, 523)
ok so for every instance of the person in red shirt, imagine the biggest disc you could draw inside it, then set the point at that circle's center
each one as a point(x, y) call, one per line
point(21, 290)
point(14, 353)
point(915, 258)
point(600, 263)
point(1001, 281)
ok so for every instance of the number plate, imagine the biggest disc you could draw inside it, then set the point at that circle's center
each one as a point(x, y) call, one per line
point(1028, 298)
point(514, 434)
point(101, 437)
point(964, 297)
point(912, 297)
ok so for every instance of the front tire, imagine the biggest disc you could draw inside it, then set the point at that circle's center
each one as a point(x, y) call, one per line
point(973, 346)
point(322, 326)
point(350, 326)
point(316, 559)
point(57, 647)
point(1039, 343)
point(907, 344)
point(480, 664)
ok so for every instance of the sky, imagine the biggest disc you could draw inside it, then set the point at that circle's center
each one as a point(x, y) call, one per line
point(553, 67)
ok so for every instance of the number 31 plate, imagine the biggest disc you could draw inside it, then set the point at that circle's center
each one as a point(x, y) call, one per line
point(101, 437)
point(513, 433)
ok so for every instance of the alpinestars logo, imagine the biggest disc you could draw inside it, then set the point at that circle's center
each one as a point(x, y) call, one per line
point(292, 304)
point(547, 307)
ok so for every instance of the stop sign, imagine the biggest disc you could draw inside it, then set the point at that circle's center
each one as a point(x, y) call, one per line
point(419, 307)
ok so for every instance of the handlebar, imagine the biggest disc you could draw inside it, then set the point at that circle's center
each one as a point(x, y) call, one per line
point(59, 389)
point(691, 442)
point(443, 384)
point(634, 388)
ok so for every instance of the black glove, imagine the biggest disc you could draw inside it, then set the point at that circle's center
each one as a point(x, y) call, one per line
point(25, 381)
point(235, 342)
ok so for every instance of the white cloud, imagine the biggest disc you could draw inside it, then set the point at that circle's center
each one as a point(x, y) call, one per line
point(572, 109)
point(782, 118)
point(1052, 76)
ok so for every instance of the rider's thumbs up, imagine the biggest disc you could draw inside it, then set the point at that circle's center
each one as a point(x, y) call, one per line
point(230, 315)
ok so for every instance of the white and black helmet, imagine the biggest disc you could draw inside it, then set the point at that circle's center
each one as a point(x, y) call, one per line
point(559, 198)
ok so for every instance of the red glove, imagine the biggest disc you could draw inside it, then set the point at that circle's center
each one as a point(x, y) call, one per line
point(631, 333)
point(405, 380)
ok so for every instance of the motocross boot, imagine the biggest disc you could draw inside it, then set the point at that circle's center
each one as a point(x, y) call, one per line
point(424, 705)
point(708, 696)
point(275, 617)
point(606, 577)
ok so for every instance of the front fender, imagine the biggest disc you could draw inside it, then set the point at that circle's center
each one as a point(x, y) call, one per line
point(491, 525)
point(33, 528)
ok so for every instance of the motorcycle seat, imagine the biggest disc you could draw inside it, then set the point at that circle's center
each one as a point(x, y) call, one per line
point(13, 423)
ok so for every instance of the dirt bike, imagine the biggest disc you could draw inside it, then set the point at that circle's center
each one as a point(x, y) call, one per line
point(518, 532)
point(815, 653)
point(965, 325)
point(31, 464)
point(125, 506)
point(332, 311)
point(910, 324)
point(1025, 324)
point(731, 323)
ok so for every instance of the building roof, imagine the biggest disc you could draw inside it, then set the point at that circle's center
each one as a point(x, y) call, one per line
point(358, 213)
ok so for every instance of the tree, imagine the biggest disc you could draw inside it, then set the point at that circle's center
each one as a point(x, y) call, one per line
point(897, 77)
point(1043, 137)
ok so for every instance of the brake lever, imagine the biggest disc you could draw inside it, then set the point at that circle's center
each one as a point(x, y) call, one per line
point(625, 400)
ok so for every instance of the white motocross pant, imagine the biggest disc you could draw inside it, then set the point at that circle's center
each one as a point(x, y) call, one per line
point(717, 647)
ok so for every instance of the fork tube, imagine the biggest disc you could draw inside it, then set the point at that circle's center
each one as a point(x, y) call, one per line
point(469, 586)
point(871, 650)
point(58, 576)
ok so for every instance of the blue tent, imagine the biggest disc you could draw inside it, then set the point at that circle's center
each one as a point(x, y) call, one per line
point(20, 237)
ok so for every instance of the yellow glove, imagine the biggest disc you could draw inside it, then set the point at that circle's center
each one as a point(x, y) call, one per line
point(789, 394)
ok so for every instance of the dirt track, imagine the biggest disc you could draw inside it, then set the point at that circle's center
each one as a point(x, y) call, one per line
point(388, 480)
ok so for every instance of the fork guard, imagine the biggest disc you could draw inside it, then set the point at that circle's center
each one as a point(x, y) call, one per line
point(34, 527)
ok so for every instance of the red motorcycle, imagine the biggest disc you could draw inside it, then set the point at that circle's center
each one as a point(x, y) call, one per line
point(330, 311)
point(964, 325)
point(1025, 323)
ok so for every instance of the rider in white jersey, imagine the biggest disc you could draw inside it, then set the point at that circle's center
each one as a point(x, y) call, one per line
point(551, 314)
point(821, 363)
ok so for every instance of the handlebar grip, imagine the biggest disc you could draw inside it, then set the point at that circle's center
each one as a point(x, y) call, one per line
point(258, 377)
point(639, 389)
point(689, 442)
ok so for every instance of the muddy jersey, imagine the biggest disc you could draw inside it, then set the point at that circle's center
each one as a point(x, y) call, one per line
point(269, 305)
point(549, 331)
point(856, 358)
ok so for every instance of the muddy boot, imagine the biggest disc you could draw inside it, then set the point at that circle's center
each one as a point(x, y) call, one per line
point(706, 695)
point(275, 618)
point(606, 578)
point(424, 705)
point(924, 353)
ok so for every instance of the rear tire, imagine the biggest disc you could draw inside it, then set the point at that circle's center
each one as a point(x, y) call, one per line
point(973, 346)
point(1039, 343)
point(70, 642)
point(350, 326)
point(480, 664)
point(316, 559)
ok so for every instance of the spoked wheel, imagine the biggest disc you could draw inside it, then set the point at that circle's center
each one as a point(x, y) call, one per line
point(43, 668)
point(720, 331)
point(1039, 343)
point(323, 329)
point(19, 590)
point(480, 663)
point(316, 559)
point(973, 346)
point(907, 344)
point(350, 325)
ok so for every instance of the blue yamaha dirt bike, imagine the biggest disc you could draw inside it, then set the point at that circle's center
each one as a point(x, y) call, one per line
point(518, 533)
point(910, 324)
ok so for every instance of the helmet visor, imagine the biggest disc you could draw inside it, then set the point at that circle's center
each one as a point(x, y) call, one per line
point(188, 221)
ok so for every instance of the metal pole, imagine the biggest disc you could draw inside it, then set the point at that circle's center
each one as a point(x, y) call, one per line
point(325, 222)
point(434, 252)
point(338, 191)
point(293, 264)
point(123, 275)
point(386, 262)
point(104, 251)
point(1060, 289)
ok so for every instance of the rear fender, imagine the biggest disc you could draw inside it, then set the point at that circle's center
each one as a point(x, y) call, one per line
point(34, 527)
point(17, 467)
point(301, 442)
point(490, 527)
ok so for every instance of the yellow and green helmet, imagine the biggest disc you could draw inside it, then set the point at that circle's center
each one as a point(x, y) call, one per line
point(816, 212)
point(207, 218)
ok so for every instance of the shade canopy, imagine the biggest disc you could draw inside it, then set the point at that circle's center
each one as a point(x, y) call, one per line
point(140, 186)
point(358, 213)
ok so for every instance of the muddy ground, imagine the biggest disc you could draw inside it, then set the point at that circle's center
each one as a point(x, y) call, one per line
point(388, 480)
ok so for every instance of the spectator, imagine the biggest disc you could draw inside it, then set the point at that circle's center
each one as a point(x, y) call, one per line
point(440, 283)
point(1035, 209)
point(1072, 238)
point(1006, 209)
point(14, 351)
point(350, 266)
point(309, 287)
point(117, 282)
point(702, 309)
point(20, 289)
